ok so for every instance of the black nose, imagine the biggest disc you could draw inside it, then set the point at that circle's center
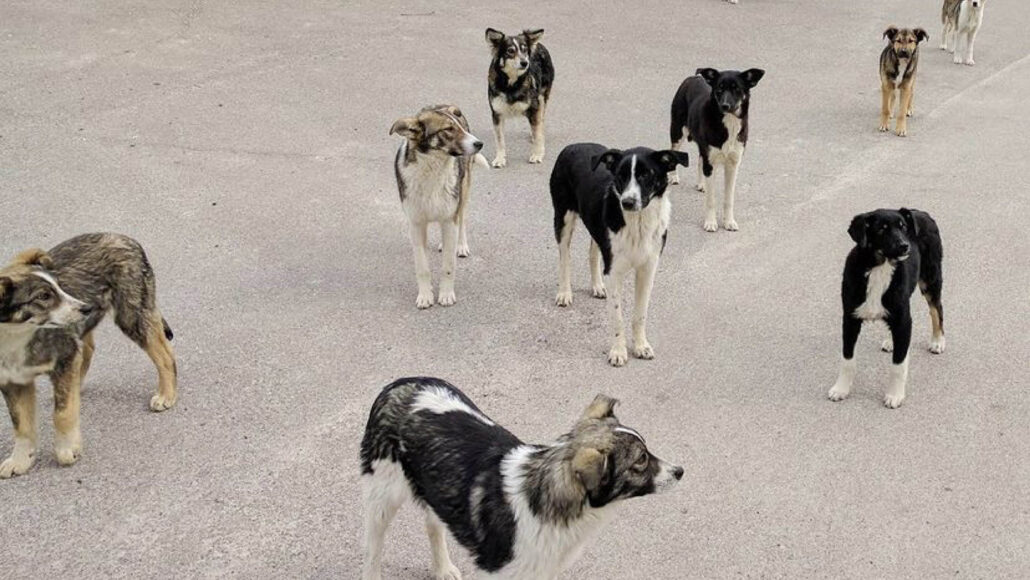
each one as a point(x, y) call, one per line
point(724, 107)
point(677, 472)
point(523, 63)
point(903, 247)
point(477, 145)
point(628, 204)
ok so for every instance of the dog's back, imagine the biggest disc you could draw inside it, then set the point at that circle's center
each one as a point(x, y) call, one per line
point(575, 185)
point(949, 11)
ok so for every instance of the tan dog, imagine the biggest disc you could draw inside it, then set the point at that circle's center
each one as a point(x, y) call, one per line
point(898, 63)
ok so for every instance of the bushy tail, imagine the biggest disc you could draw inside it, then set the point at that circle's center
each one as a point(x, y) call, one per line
point(168, 330)
point(481, 160)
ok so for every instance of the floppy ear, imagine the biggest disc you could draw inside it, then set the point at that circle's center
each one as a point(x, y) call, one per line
point(857, 230)
point(910, 221)
point(609, 158)
point(5, 288)
point(408, 127)
point(921, 35)
point(590, 467)
point(534, 36)
point(752, 76)
point(669, 159)
point(709, 74)
point(494, 37)
point(890, 32)
point(601, 407)
point(454, 110)
point(34, 257)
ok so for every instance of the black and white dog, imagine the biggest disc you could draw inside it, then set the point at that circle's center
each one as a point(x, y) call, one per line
point(713, 108)
point(894, 250)
point(624, 207)
point(519, 84)
point(523, 511)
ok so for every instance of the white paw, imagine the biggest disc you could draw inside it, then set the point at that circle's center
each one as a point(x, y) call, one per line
point(618, 356)
point(731, 225)
point(884, 128)
point(160, 403)
point(700, 187)
point(424, 300)
point(463, 251)
point(536, 157)
point(68, 449)
point(439, 247)
point(887, 345)
point(839, 392)
point(451, 572)
point(892, 401)
point(599, 291)
point(564, 298)
point(16, 464)
point(446, 298)
point(499, 161)
point(674, 179)
point(957, 60)
point(970, 62)
point(711, 225)
point(901, 132)
point(643, 350)
point(937, 345)
point(943, 46)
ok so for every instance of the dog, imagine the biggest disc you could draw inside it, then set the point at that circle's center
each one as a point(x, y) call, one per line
point(521, 510)
point(894, 251)
point(434, 176)
point(898, 63)
point(624, 207)
point(712, 107)
point(519, 83)
point(50, 302)
point(961, 20)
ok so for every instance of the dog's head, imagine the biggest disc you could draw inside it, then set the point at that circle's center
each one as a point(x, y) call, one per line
point(731, 89)
point(905, 41)
point(639, 175)
point(886, 232)
point(31, 297)
point(440, 128)
point(611, 461)
point(512, 53)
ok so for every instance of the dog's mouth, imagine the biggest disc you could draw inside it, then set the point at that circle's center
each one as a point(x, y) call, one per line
point(903, 53)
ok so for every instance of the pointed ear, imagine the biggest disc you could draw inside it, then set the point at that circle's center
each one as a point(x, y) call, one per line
point(910, 221)
point(857, 230)
point(890, 32)
point(534, 36)
point(921, 35)
point(709, 74)
point(601, 407)
point(494, 37)
point(609, 158)
point(669, 159)
point(408, 127)
point(752, 76)
point(590, 467)
point(34, 257)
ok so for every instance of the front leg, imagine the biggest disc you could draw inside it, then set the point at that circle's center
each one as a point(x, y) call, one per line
point(957, 49)
point(851, 328)
point(969, 49)
point(711, 220)
point(729, 194)
point(617, 356)
point(901, 335)
point(886, 96)
point(449, 234)
point(644, 283)
point(422, 274)
point(67, 437)
point(536, 124)
point(901, 128)
point(501, 157)
point(21, 405)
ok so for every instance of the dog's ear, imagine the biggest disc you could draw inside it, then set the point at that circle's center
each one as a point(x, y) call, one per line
point(857, 229)
point(6, 284)
point(752, 76)
point(609, 158)
point(408, 127)
point(34, 257)
point(454, 110)
point(669, 159)
point(533, 36)
point(590, 467)
point(921, 35)
point(910, 221)
point(494, 37)
point(890, 32)
point(602, 407)
point(709, 74)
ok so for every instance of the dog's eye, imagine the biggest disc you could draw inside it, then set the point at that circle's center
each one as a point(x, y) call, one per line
point(44, 296)
point(511, 50)
point(641, 463)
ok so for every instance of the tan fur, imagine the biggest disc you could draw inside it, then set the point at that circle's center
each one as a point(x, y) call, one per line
point(159, 349)
point(33, 257)
point(891, 79)
point(67, 435)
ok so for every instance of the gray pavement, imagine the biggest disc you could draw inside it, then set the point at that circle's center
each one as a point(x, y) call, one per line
point(246, 146)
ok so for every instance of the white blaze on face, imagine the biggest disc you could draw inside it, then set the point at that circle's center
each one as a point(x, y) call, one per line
point(69, 311)
point(666, 477)
point(632, 191)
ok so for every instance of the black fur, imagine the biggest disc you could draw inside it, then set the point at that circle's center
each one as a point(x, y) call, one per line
point(530, 87)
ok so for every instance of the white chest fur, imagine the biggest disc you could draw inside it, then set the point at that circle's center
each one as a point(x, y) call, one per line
point(502, 107)
point(732, 150)
point(641, 238)
point(878, 282)
point(430, 186)
point(14, 342)
point(902, 69)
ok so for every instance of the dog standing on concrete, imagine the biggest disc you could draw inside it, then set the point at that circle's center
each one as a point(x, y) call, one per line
point(713, 109)
point(898, 63)
point(895, 250)
point(961, 21)
point(625, 209)
point(50, 302)
point(523, 511)
point(434, 176)
point(519, 83)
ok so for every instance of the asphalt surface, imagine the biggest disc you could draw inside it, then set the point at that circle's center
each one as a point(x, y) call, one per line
point(245, 145)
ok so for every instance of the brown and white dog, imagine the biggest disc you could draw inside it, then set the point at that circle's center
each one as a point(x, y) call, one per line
point(50, 302)
point(434, 174)
point(898, 63)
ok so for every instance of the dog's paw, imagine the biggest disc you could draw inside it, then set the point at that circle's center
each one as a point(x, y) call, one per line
point(563, 298)
point(424, 301)
point(16, 464)
point(674, 179)
point(463, 251)
point(937, 345)
point(957, 59)
point(700, 187)
point(68, 449)
point(537, 157)
point(969, 62)
point(711, 225)
point(731, 225)
point(838, 393)
point(160, 403)
point(643, 350)
point(884, 128)
point(439, 247)
point(887, 345)
point(499, 161)
point(892, 401)
point(599, 291)
point(618, 356)
point(901, 132)
point(446, 298)
point(451, 572)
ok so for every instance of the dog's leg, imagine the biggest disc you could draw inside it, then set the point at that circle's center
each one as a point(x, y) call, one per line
point(944, 36)
point(970, 40)
point(676, 136)
point(443, 568)
point(89, 346)
point(701, 184)
point(729, 194)
point(618, 354)
point(711, 221)
point(385, 492)
point(886, 100)
point(960, 35)
point(911, 98)
point(851, 328)
point(536, 123)
point(932, 294)
point(422, 273)
point(159, 349)
point(901, 334)
point(501, 157)
point(67, 437)
point(463, 242)
point(643, 285)
point(901, 128)
point(21, 405)
point(596, 271)
point(449, 234)
point(564, 297)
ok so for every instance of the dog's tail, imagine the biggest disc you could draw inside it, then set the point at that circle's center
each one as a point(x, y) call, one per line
point(478, 158)
point(168, 330)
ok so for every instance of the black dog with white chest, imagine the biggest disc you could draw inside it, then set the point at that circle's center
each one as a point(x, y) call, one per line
point(624, 207)
point(713, 108)
point(519, 84)
point(895, 250)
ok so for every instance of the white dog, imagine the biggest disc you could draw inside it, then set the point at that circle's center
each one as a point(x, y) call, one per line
point(961, 20)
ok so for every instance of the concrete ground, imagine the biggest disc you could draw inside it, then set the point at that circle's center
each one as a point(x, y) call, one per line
point(246, 146)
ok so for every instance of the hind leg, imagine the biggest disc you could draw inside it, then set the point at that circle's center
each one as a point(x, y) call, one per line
point(596, 271)
point(932, 294)
point(443, 568)
point(147, 329)
point(385, 492)
point(21, 404)
point(536, 124)
point(564, 297)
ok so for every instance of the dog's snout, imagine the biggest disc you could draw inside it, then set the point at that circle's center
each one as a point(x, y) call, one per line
point(629, 204)
point(903, 247)
point(477, 145)
point(523, 63)
point(677, 472)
